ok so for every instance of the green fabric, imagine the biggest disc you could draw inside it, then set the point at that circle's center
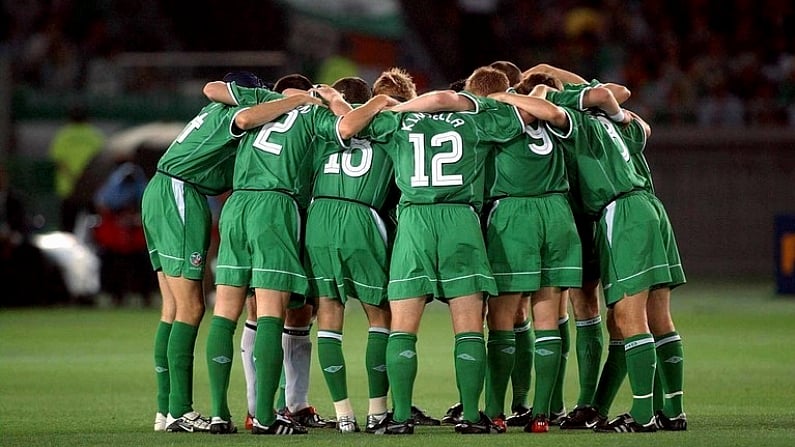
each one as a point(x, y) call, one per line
point(590, 343)
point(268, 358)
point(501, 352)
point(375, 362)
point(613, 374)
point(670, 366)
point(641, 365)
point(332, 363)
point(470, 371)
point(523, 365)
point(401, 367)
point(161, 366)
point(180, 367)
point(547, 362)
point(220, 352)
point(556, 403)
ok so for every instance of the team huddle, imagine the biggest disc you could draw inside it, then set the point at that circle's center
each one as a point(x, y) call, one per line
point(508, 197)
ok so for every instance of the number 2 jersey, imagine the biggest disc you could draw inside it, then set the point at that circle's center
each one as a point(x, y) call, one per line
point(274, 156)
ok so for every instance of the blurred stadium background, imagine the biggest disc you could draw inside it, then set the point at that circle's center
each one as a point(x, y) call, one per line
point(716, 79)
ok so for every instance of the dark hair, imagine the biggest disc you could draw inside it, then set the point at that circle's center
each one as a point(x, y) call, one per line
point(294, 80)
point(526, 85)
point(355, 90)
point(244, 79)
point(510, 69)
point(458, 85)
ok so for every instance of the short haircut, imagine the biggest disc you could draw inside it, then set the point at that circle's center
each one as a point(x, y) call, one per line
point(396, 83)
point(244, 79)
point(510, 69)
point(528, 82)
point(294, 80)
point(485, 81)
point(355, 90)
point(458, 85)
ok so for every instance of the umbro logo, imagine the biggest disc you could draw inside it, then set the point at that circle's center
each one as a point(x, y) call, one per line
point(333, 368)
point(380, 368)
point(544, 352)
point(160, 369)
point(509, 350)
point(408, 354)
point(222, 359)
point(466, 357)
point(674, 359)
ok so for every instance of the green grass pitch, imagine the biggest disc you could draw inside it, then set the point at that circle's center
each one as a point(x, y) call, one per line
point(84, 377)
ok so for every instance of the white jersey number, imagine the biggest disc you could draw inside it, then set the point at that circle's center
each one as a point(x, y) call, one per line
point(261, 142)
point(545, 147)
point(438, 178)
point(333, 165)
point(613, 134)
point(194, 124)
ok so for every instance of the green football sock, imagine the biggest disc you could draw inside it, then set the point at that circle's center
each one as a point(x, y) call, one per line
point(523, 365)
point(161, 366)
point(641, 365)
point(220, 351)
point(590, 343)
point(657, 399)
point(501, 353)
point(401, 367)
point(332, 363)
point(470, 371)
point(268, 358)
point(670, 355)
point(375, 361)
point(556, 404)
point(547, 362)
point(180, 367)
point(613, 373)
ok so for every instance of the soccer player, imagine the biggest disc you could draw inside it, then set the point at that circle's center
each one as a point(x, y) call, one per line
point(439, 250)
point(533, 248)
point(348, 254)
point(631, 240)
point(347, 247)
point(230, 300)
point(176, 219)
point(264, 253)
point(584, 300)
point(296, 344)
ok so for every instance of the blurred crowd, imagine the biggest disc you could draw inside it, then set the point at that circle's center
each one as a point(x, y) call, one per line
point(704, 62)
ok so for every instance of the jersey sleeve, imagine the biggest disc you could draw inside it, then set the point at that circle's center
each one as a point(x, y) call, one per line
point(382, 127)
point(634, 136)
point(497, 121)
point(326, 126)
point(246, 96)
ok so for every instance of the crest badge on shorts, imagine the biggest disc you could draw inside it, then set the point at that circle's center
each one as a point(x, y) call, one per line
point(196, 259)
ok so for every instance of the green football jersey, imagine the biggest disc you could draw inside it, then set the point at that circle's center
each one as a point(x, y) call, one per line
point(531, 164)
point(359, 173)
point(635, 139)
point(440, 157)
point(572, 95)
point(203, 154)
point(273, 156)
point(597, 152)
